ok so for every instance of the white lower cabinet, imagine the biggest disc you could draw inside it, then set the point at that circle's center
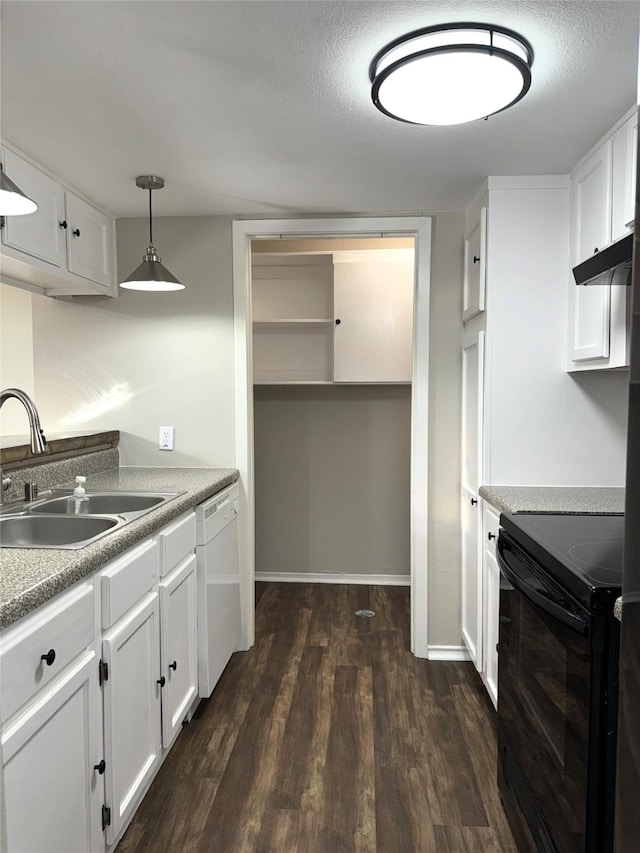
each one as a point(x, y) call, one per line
point(471, 578)
point(51, 753)
point(491, 597)
point(131, 694)
point(178, 646)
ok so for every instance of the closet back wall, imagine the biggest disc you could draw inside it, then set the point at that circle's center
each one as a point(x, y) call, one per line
point(332, 471)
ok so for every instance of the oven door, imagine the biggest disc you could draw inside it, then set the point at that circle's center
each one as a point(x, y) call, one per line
point(544, 695)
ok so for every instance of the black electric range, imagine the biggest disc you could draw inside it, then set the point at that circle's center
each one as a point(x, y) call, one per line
point(557, 678)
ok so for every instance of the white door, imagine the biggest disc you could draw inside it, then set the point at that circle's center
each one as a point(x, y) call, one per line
point(475, 265)
point(87, 240)
point(591, 187)
point(472, 407)
point(40, 234)
point(373, 307)
point(178, 646)
point(53, 794)
point(131, 694)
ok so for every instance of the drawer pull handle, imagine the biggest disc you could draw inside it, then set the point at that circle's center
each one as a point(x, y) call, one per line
point(161, 681)
point(100, 767)
point(491, 536)
point(63, 224)
point(76, 232)
point(49, 657)
point(476, 259)
point(473, 501)
point(173, 665)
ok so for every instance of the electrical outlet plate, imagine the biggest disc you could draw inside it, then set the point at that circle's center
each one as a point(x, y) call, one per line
point(165, 438)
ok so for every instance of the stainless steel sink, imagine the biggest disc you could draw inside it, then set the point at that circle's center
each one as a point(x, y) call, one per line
point(54, 531)
point(51, 523)
point(100, 504)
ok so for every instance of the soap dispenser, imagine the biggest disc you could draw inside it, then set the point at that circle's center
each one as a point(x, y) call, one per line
point(79, 503)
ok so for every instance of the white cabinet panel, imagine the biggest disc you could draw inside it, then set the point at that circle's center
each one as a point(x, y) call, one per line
point(373, 307)
point(471, 577)
point(52, 792)
point(491, 598)
point(87, 240)
point(475, 252)
point(131, 650)
point(178, 646)
point(40, 234)
point(472, 411)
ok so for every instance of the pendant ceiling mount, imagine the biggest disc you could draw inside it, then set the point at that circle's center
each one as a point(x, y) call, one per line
point(451, 73)
point(151, 275)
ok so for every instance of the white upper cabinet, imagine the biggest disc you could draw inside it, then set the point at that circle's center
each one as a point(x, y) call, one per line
point(602, 210)
point(65, 248)
point(373, 307)
point(475, 259)
point(341, 317)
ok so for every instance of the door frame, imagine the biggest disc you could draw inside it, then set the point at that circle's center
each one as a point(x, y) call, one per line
point(244, 231)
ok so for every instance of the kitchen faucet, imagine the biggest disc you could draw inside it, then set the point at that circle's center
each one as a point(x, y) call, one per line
point(38, 439)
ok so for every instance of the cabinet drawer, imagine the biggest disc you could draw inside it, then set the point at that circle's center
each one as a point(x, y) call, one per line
point(64, 628)
point(177, 541)
point(126, 580)
point(490, 528)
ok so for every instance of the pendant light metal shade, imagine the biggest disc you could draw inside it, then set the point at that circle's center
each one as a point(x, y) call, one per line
point(151, 275)
point(451, 73)
point(13, 202)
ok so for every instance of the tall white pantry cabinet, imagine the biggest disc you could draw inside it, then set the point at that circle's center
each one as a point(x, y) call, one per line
point(516, 262)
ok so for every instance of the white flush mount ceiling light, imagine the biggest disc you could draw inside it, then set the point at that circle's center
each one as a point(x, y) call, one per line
point(451, 73)
point(151, 274)
point(13, 202)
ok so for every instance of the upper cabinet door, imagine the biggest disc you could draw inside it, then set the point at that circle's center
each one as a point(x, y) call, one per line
point(475, 249)
point(40, 234)
point(87, 240)
point(591, 188)
point(373, 333)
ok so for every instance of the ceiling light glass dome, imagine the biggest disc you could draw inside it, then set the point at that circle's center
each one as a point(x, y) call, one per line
point(451, 74)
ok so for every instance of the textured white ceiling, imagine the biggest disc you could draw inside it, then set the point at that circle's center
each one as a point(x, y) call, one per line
point(264, 107)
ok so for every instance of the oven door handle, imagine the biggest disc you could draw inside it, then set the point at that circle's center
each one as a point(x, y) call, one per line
point(571, 620)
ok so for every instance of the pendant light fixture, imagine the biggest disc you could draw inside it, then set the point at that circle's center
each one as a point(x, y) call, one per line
point(451, 73)
point(151, 274)
point(13, 202)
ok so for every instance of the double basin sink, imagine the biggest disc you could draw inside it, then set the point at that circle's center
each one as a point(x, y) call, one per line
point(51, 522)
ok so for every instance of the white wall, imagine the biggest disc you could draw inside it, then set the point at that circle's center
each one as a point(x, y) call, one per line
point(146, 360)
point(16, 356)
point(547, 427)
point(332, 466)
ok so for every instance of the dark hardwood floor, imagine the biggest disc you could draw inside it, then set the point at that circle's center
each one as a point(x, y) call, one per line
point(328, 736)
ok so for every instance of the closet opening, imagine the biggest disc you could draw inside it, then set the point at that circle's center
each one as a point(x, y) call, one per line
point(332, 341)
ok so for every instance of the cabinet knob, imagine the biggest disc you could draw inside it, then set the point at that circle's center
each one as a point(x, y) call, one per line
point(476, 259)
point(491, 536)
point(49, 657)
point(338, 322)
point(595, 250)
point(473, 501)
point(63, 224)
point(76, 232)
point(173, 665)
point(161, 681)
point(100, 767)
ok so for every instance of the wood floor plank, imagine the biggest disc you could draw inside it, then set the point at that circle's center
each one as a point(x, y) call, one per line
point(329, 736)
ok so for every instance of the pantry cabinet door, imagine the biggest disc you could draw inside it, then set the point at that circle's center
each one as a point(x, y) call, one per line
point(53, 794)
point(87, 240)
point(131, 691)
point(475, 252)
point(373, 314)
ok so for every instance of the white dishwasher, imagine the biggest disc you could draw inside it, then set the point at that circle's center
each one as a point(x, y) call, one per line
point(218, 585)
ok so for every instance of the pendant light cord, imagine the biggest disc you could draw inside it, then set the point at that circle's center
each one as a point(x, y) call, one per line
point(150, 220)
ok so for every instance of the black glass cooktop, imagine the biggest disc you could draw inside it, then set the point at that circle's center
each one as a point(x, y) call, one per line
point(582, 552)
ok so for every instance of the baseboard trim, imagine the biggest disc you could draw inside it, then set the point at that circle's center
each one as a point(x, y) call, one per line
point(448, 653)
point(322, 577)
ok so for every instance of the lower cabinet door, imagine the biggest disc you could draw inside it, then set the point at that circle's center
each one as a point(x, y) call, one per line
point(471, 577)
point(178, 646)
point(131, 695)
point(492, 624)
point(53, 793)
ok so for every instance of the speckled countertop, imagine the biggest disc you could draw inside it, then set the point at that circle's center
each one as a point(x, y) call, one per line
point(31, 576)
point(558, 499)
